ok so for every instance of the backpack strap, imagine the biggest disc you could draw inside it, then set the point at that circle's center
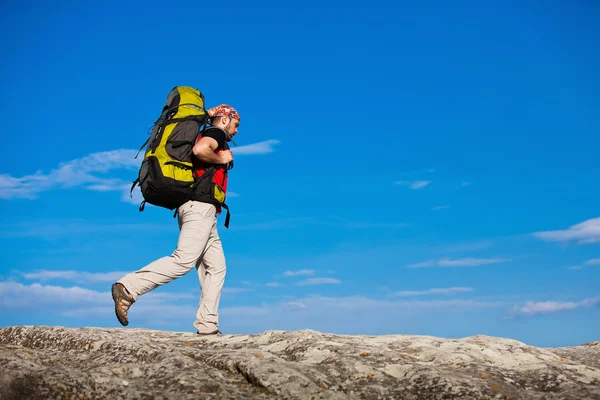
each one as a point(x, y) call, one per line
point(144, 145)
point(137, 180)
point(227, 217)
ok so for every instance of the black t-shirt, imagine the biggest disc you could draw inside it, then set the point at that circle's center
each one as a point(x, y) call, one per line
point(217, 134)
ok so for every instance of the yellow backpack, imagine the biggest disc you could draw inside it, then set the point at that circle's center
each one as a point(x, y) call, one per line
point(165, 176)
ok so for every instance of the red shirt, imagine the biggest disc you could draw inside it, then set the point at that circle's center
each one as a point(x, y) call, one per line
point(221, 175)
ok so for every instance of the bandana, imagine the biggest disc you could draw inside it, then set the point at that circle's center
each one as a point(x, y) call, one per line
point(223, 110)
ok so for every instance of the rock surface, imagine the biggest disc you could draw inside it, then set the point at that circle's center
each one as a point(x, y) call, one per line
point(93, 363)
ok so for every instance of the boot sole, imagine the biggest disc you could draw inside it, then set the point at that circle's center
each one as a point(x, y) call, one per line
point(116, 294)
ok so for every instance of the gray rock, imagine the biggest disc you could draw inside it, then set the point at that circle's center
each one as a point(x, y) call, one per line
point(39, 362)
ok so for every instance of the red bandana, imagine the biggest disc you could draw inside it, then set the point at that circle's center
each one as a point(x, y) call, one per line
point(223, 110)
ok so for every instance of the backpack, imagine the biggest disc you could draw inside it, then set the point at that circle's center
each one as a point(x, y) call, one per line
point(166, 173)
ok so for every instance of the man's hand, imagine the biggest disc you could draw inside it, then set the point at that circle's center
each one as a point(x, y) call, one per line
point(226, 156)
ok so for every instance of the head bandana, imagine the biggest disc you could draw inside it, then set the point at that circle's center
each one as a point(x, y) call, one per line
point(223, 110)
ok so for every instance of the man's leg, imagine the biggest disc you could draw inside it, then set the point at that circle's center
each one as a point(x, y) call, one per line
point(195, 222)
point(211, 272)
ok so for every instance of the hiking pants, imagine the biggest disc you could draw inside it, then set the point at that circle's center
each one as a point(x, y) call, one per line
point(198, 246)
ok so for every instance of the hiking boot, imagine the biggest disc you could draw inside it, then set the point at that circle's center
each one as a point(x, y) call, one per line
point(217, 332)
point(123, 301)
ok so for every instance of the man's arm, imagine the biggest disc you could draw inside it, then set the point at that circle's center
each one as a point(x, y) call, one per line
point(205, 149)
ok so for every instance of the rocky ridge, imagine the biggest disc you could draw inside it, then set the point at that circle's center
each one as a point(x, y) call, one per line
point(39, 362)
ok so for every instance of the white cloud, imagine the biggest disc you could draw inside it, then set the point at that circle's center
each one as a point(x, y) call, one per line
point(415, 185)
point(48, 275)
point(312, 307)
point(319, 281)
point(470, 262)
point(86, 171)
point(80, 277)
point(273, 284)
point(18, 295)
point(325, 314)
point(143, 313)
point(294, 305)
point(53, 229)
point(419, 184)
point(548, 307)
point(461, 262)
point(422, 264)
point(36, 296)
point(256, 148)
point(58, 299)
point(101, 187)
point(158, 296)
point(244, 311)
point(236, 290)
point(23, 188)
point(593, 261)
point(377, 316)
point(437, 208)
point(583, 233)
point(450, 290)
point(299, 272)
point(89, 172)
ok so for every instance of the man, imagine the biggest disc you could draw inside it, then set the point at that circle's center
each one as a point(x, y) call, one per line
point(199, 244)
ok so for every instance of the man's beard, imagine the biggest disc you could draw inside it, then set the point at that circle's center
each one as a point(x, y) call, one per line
point(228, 136)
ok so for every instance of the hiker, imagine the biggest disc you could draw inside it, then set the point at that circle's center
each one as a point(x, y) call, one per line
point(199, 244)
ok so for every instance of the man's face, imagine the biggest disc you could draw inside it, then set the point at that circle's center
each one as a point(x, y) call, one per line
point(232, 126)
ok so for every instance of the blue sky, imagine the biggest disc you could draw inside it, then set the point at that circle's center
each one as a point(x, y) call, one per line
point(400, 169)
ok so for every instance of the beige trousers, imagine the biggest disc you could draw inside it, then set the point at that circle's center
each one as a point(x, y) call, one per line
point(198, 246)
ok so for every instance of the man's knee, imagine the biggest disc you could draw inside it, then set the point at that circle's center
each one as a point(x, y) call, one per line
point(187, 260)
point(215, 266)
